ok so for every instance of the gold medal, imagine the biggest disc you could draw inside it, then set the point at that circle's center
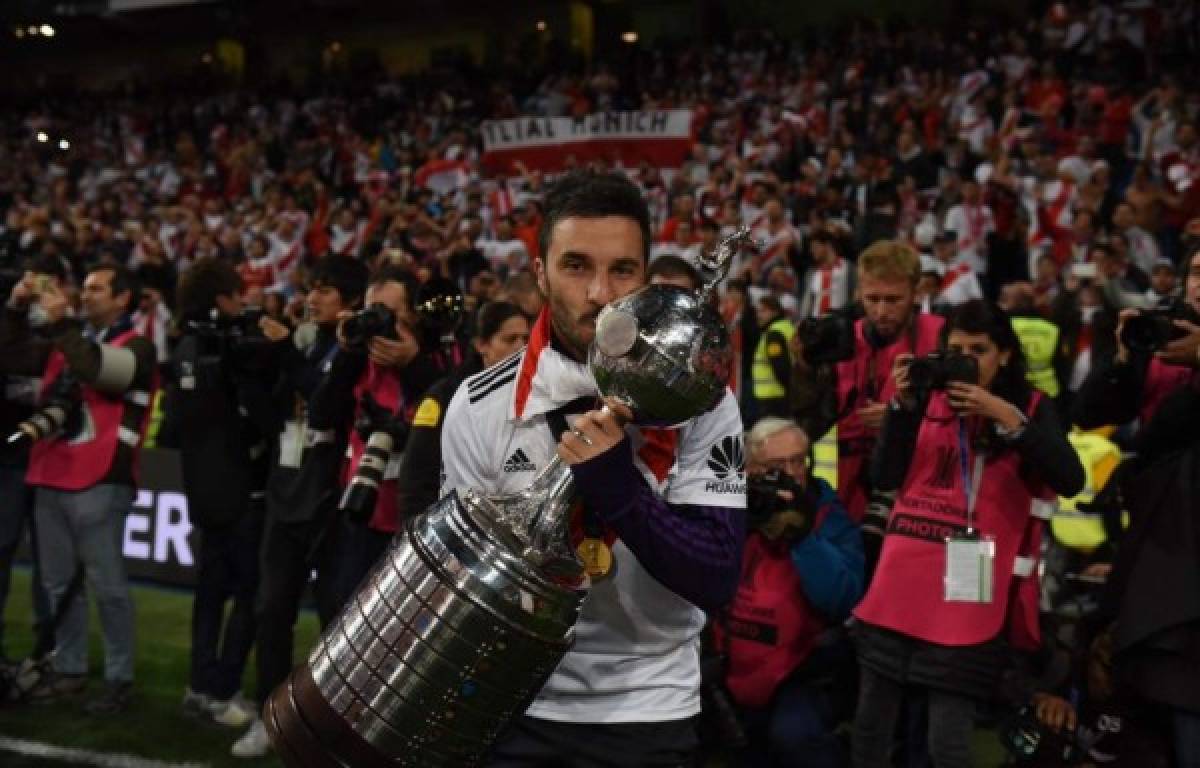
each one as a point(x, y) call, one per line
point(596, 556)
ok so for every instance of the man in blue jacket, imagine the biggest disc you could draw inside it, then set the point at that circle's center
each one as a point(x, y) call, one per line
point(802, 572)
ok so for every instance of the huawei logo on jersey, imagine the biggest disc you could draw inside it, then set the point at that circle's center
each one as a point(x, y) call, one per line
point(727, 461)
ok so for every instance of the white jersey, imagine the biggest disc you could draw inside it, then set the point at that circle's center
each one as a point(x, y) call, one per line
point(972, 223)
point(636, 656)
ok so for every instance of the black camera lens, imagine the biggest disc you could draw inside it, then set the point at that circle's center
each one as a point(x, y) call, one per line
point(828, 339)
point(375, 320)
point(938, 369)
point(1148, 332)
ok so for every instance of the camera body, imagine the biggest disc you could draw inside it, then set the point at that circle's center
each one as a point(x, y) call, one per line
point(1151, 330)
point(229, 340)
point(762, 495)
point(1025, 739)
point(364, 325)
point(936, 370)
point(775, 516)
point(828, 339)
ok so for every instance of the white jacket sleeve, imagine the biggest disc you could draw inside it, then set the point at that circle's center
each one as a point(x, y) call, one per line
point(464, 456)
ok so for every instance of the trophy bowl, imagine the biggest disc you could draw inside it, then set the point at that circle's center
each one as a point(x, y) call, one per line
point(663, 352)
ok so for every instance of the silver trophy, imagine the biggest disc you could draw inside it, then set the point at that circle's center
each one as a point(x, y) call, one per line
point(462, 621)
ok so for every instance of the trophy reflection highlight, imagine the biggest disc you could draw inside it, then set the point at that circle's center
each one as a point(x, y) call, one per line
point(461, 622)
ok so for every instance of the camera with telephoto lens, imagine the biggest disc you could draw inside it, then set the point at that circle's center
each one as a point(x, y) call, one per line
point(1149, 331)
point(937, 370)
point(383, 433)
point(233, 337)
point(60, 412)
point(364, 325)
point(828, 339)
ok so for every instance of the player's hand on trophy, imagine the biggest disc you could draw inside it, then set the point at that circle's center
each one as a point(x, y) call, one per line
point(594, 432)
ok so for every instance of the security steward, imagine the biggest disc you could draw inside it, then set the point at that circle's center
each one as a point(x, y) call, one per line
point(771, 371)
point(1039, 338)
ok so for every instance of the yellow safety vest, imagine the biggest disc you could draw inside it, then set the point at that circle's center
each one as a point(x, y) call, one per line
point(1099, 457)
point(1039, 340)
point(825, 458)
point(766, 386)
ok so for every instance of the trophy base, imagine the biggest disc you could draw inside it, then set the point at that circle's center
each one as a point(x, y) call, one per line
point(306, 731)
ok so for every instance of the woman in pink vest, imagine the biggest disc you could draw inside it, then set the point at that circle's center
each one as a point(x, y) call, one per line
point(955, 586)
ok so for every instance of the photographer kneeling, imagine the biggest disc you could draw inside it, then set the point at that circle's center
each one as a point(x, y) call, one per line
point(973, 449)
point(802, 572)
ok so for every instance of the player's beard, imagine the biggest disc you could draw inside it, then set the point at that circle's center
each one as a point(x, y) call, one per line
point(573, 331)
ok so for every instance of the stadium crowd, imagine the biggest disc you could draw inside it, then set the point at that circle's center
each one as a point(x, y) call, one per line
point(1026, 196)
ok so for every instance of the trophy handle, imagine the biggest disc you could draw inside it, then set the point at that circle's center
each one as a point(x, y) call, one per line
point(545, 528)
point(715, 265)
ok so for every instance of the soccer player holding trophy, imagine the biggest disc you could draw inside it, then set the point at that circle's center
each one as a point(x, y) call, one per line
point(548, 609)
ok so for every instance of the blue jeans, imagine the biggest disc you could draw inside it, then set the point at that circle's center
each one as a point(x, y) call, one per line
point(796, 730)
point(16, 510)
point(797, 727)
point(226, 572)
point(87, 527)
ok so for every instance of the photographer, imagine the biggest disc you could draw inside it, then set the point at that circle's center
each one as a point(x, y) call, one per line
point(302, 485)
point(802, 572)
point(97, 382)
point(370, 395)
point(1154, 581)
point(972, 450)
point(1156, 354)
point(215, 414)
point(501, 330)
point(851, 386)
point(20, 395)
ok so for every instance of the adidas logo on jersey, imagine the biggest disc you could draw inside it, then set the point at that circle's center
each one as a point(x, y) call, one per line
point(519, 462)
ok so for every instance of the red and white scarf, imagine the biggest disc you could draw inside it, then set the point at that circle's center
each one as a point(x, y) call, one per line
point(830, 287)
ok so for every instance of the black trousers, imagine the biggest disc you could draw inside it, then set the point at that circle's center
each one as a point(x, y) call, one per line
point(16, 511)
point(226, 572)
point(290, 552)
point(534, 743)
point(358, 549)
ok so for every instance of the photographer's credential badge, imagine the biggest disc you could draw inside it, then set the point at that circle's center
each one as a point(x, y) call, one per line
point(970, 556)
point(969, 565)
